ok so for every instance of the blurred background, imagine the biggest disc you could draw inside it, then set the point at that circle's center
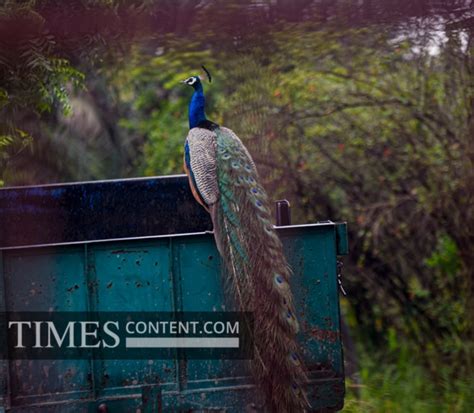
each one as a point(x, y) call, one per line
point(361, 111)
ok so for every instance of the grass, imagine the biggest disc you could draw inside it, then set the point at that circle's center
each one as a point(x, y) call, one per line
point(405, 386)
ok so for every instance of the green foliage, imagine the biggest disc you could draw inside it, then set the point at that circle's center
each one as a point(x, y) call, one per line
point(445, 258)
point(404, 386)
point(42, 65)
point(158, 102)
point(362, 129)
point(34, 79)
point(351, 125)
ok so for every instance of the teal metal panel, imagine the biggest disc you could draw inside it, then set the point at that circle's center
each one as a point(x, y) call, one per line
point(166, 273)
point(201, 287)
point(131, 276)
point(46, 279)
point(311, 252)
point(342, 241)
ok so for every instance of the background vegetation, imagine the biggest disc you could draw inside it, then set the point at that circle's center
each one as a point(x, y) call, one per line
point(359, 112)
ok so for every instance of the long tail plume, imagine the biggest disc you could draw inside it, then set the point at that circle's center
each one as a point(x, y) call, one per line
point(253, 256)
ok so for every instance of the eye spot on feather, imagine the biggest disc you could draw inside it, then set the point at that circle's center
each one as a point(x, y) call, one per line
point(235, 164)
point(226, 156)
point(282, 285)
point(295, 388)
point(294, 358)
point(254, 191)
point(248, 168)
point(259, 205)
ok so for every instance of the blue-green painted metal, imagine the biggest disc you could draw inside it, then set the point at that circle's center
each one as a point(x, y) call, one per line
point(164, 273)
point(342, 242)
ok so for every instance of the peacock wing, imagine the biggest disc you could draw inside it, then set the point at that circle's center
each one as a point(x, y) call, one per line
point(200, 159)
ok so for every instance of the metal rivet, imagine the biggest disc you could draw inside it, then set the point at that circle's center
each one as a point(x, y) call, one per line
point(102, 408)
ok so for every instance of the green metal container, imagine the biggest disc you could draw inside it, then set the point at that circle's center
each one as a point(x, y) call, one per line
point(167, 272)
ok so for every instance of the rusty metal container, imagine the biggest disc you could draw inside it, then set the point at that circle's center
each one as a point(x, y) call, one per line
point(142, 245)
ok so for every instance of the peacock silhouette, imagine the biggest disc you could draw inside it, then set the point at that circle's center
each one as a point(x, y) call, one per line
point(224, 180)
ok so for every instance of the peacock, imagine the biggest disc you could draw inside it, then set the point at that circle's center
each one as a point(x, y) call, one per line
point(224, 180)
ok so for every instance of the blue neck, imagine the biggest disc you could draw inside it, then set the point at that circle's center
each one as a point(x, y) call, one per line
point(196, 107)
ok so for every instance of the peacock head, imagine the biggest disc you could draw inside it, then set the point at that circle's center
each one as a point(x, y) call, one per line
point(195, 81)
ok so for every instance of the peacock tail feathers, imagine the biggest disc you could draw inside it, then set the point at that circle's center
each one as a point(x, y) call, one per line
point(253, 256)
point(224, 179)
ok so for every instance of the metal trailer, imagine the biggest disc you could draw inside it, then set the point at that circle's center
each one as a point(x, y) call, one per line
point(143, 245)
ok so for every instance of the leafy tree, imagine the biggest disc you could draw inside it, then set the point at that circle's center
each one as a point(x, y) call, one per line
point(362, 125)
point(355, 125)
